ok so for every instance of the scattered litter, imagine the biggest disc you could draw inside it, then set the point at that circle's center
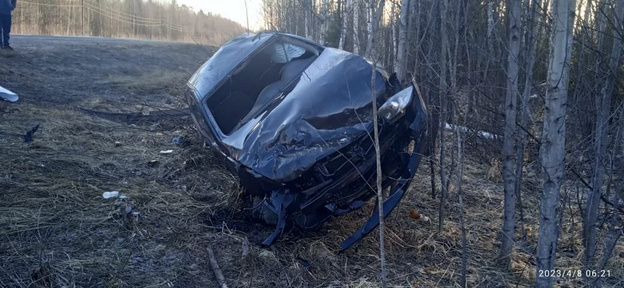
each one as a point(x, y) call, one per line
point(152, 163)
point(110, 194)
point(117, 144)
point(181, 141)
point(417, 216)
point(29, 135)
point(7, 95)
point(267, 255)
point(177, 140)
point(482, 134)
point(166, 151)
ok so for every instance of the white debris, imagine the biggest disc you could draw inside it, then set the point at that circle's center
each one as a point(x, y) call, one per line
point(487, 135)
point(267, 255)
point(166, 151)
point(482, 134)
point(7, 95)
point(110, 194)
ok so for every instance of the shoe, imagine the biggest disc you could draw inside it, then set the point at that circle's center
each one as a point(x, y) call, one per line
point(8, 48)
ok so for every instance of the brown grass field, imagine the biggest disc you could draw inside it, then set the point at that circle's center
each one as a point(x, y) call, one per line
point(56, 229)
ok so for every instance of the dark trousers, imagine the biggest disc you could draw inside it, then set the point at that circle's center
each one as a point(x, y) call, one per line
point(5, 26)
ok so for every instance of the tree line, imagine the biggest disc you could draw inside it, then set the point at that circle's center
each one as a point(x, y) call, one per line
point(542, 76)
point(152, 19)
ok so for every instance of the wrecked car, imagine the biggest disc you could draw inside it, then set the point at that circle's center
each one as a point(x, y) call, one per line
point(294, 121)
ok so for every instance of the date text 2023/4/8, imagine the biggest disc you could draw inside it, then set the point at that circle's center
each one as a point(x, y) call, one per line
point(574, 273)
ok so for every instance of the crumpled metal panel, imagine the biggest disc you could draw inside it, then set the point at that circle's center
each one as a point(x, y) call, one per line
point(329, 107)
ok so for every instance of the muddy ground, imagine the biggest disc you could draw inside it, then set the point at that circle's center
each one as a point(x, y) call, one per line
point(56, 229)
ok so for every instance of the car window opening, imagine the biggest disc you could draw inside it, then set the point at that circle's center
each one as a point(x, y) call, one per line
point(258, 81)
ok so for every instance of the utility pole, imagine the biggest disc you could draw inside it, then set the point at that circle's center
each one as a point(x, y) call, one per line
point(247, 16)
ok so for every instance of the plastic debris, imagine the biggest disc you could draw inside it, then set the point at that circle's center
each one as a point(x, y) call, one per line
point(177, 140)
point(7, 95)
point(110, 194)
point(152, 163)
point(166, 151)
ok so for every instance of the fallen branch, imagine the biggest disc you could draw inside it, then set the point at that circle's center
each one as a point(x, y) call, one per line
point(215, 268)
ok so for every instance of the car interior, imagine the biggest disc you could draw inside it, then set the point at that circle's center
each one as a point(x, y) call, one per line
point(271, 71)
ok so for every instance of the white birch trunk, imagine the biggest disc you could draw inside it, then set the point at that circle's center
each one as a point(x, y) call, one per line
point(369, 24)
point(356, 27)
point(509, 142)
point(346, 11)
point(400, 64)
point(324, 24)
point(552, 152)
point(395, 31)
point(307, 18)
point(443, 95)
point(375, 16)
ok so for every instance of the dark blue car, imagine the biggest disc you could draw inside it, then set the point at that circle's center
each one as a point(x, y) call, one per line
point(294, 121)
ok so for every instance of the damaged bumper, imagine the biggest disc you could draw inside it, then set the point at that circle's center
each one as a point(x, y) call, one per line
point(344, 181)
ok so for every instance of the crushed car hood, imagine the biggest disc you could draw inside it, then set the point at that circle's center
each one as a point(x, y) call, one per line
point(327, 110)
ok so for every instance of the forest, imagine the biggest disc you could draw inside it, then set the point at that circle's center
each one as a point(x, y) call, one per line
point(541, 77)
point(153, 19)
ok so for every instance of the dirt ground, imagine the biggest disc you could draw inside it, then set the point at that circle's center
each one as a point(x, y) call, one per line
point(57, 230)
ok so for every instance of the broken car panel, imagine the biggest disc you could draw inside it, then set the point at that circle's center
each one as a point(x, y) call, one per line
point(294, 119)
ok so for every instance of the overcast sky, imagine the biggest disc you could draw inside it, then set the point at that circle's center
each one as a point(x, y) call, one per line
point(231, 9)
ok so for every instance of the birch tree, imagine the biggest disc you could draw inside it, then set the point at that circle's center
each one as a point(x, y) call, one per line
point(346, 10)
point(400, 63)
point(375, 16)
point(325, 21)
point(509, 161)
point(603, 110)
point(356, 27)
point(530, 46)
point(552, 152)
point(443, 5)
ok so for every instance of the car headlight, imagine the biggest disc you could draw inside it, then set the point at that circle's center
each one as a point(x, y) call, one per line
point(395, 105)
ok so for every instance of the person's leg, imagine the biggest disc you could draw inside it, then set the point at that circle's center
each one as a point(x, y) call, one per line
point(6, 29)
point(1, 31)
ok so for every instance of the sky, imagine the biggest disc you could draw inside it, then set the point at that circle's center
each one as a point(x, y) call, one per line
point(231, 9)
